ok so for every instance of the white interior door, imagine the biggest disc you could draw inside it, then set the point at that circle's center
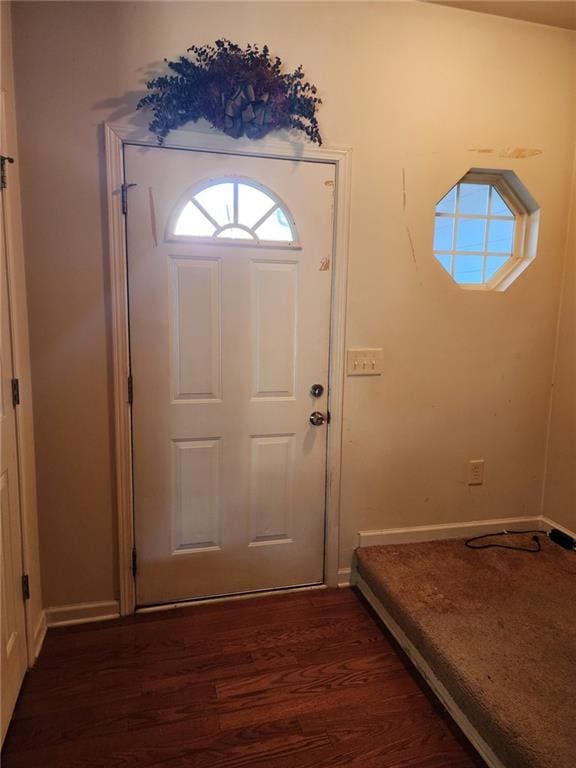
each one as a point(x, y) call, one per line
point(13, 656)
point(229, 290)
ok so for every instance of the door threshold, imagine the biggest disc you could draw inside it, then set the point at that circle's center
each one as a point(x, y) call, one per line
point(227, 598)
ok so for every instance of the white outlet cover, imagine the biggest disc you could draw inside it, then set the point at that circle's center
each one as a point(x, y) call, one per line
point(476, 472)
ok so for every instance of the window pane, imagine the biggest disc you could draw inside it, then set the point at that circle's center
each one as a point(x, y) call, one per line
point(500, 236)
point(493, 264)
point(252, 204)
point(497, 205)
point(471, 234)
point(235, 233)
point(192, 222)
point(445, 261)
point(218, 201)
point(468, 269)
point(473, 199)
point(448, 202)
point(232, 209)
point(443, 234)
point(275, 227)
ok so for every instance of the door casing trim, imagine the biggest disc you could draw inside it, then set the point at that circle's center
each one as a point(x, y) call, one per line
point(11, 210)
point(116, 137)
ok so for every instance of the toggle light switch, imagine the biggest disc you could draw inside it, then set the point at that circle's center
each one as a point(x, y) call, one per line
point(364, 362)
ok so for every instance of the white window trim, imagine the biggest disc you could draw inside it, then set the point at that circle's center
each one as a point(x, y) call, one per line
point(527, 216)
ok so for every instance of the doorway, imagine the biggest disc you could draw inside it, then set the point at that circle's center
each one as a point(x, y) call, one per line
point(229, 286)
point(118, 137)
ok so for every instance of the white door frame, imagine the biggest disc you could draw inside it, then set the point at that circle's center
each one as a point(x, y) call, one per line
point(17, 308)
point(116, 136)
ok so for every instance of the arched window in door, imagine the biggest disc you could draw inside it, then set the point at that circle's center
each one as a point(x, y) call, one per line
point(234, 209)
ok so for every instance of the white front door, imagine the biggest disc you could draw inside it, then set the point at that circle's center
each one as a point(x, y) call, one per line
point(13, 657)
point(229, 275)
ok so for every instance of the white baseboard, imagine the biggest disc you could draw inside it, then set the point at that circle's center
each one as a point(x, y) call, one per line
point(418, 533)
point(345, 577)
point(81, 613)
point(40, 634)
point(487, 754)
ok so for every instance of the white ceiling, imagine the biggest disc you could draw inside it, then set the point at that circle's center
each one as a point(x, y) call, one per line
point(555, 13)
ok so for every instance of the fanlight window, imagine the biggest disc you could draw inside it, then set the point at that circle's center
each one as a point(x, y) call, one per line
point(235, 209)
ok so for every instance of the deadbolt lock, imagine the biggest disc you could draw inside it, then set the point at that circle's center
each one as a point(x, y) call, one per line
point(316, 390)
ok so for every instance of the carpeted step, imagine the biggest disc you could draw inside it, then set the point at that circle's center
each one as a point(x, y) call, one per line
point(498, 628)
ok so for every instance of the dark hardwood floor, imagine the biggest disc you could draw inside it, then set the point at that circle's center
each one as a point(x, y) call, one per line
point(305, 680)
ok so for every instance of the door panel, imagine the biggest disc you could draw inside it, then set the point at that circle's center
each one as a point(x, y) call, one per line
point(272, 475)
point(226, 338)
point(197, 470)
point(275, 292)
point(196, 329)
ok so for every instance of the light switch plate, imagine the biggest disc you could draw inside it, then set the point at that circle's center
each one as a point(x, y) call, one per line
point(364, 362)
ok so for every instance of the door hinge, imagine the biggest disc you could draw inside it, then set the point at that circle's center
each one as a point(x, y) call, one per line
point(134, 562)
point(3, 176)
point(15, 392)
point(124, 192)
point(25, 587)
point(130, 389)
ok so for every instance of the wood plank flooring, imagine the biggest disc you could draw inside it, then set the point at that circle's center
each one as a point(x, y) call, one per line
point(300, 680)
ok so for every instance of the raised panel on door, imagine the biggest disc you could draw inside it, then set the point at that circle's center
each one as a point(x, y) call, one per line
point(275, 297)
point(229, 328)
point(271, 490)
point(10, 567)
point(196, 495)
point(195, 331)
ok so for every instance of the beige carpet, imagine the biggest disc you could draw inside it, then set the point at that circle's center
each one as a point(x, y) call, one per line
point(499, 629)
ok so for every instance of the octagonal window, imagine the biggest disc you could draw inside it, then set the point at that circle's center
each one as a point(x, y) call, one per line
point(485, 229)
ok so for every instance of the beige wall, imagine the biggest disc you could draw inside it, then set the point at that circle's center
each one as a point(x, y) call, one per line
point(21, 352)
point(560, 481)
point(416, 90)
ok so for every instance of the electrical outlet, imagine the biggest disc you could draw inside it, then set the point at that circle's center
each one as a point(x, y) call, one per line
point(476, 472)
